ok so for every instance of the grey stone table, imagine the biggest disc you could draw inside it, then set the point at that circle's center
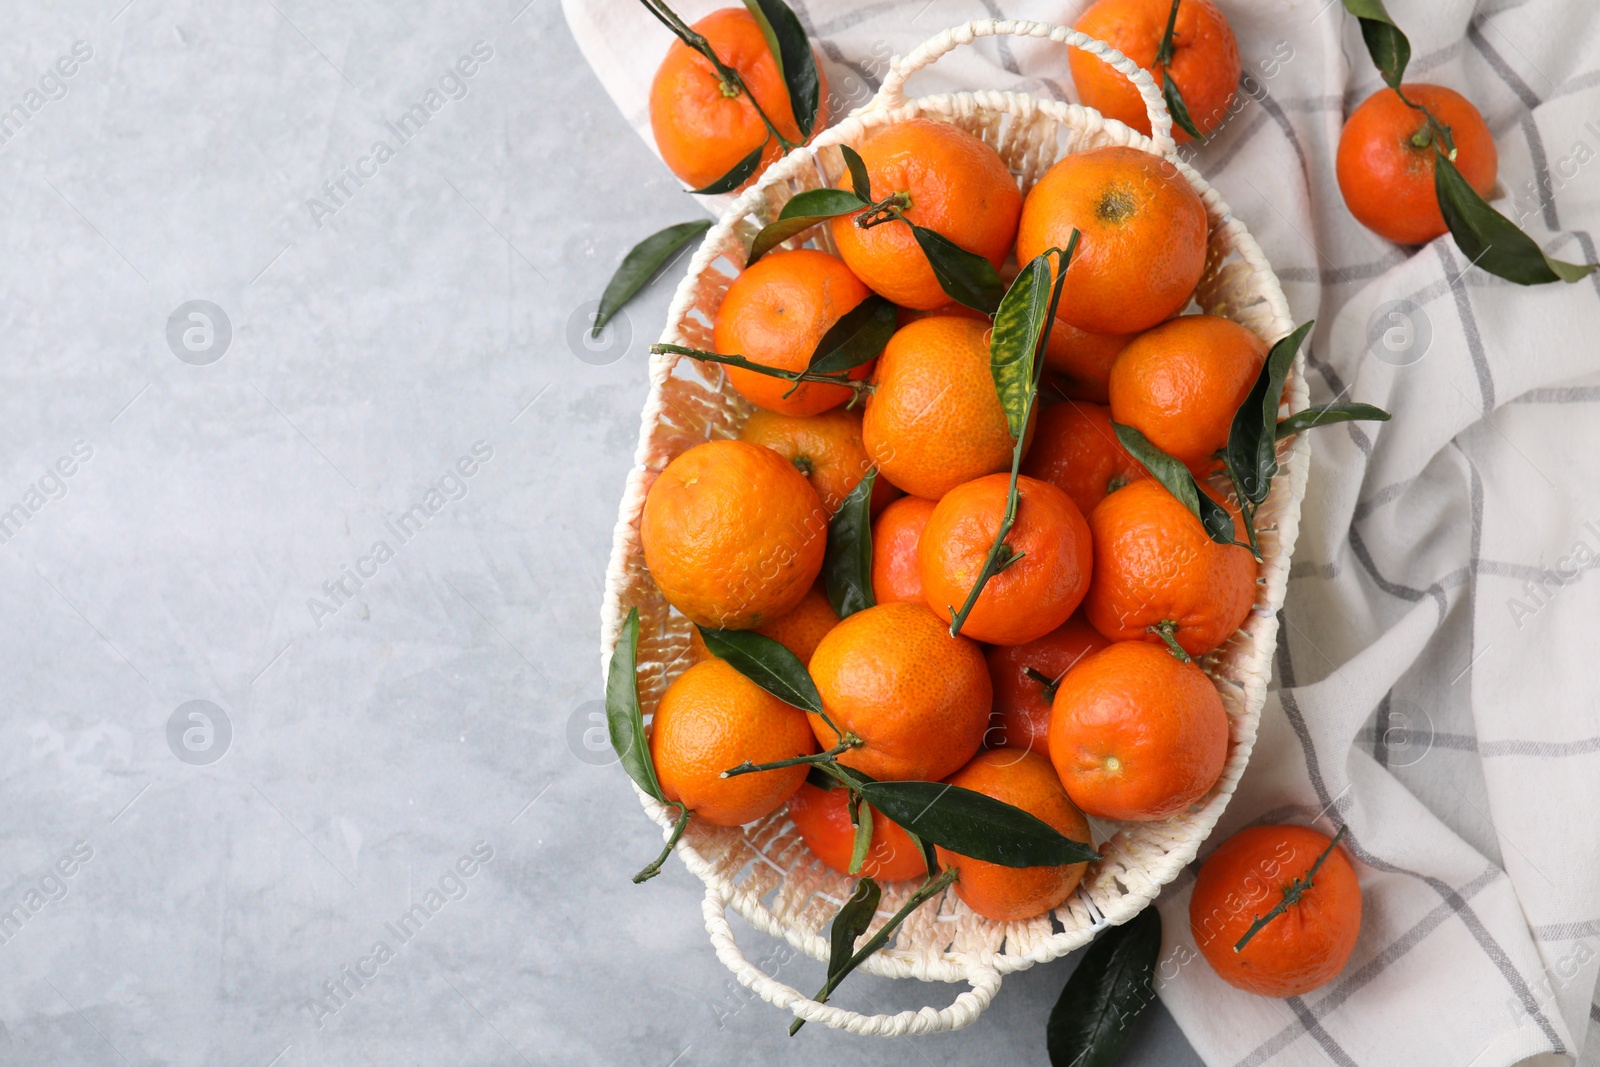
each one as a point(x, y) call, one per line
point(307, 494)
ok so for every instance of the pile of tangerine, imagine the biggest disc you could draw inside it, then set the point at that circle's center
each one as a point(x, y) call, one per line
point(1069, 690)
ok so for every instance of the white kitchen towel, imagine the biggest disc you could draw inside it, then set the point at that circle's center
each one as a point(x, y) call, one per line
point(1435, 690)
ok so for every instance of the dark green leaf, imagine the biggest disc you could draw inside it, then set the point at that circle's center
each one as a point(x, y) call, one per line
point(766, 663)
point(821, 779)
point(966, 277)
point(737, 176)
point(859, 181)
point(975, 825)
point(929, 856)
point(623, 718)
point(855, 915)
point(1388, 47)
point(1492, 241)
point(787, 39)
point(847, 561)
point(1250, 453)
point(1015, 340)
point(1177, 480)
point(1178, 109)
point(1327, 415)
point(641, 264)
point(858, 336)
point(803, 211)
point(1094, 1015)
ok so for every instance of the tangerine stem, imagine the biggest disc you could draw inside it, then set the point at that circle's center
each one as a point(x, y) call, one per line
point(1165, 49)
point(827, 377)
point(677, 832)
point(931, 888)
point(1291, 893)
point(1167, 630)
point(846, 744)
point(1047, 683)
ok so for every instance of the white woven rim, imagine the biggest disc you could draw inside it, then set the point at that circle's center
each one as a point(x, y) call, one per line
point(764, 871)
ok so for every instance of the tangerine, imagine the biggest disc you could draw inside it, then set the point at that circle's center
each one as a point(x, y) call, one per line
point(1385, 160)
point(1048, 548)
point(713, 718)
point(702, 125)
point(1301, 948)
point(732, 534)
point(954, 184)
point(1076, 450)
point(826, 448)
point(896, 567)
point(774, 314)
point(1142, 237)
point(1024, 780)
point(1137, 734)
point(823, 818)
point(1021, 715)
point(918, 698)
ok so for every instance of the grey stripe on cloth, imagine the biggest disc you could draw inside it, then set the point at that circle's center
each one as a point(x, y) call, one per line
point(1359, 272)
point(1307, 569)
point(1586, 243)
point(1380, 731)
point(1469, 326)
point(1336, 383)
point(1458, 742)
point(1314, 1030)
point(1498, 64)
point(1584, 746)
point(853, 17)
point(1567, 931)
point(1594, 1013)
point(1347, 987)
point(1387, 494)
point(1475, 506)
point(1569, 394)
point(1469, 918)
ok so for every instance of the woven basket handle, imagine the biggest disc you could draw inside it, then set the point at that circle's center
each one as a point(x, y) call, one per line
point(985, 982)
point(892, 93)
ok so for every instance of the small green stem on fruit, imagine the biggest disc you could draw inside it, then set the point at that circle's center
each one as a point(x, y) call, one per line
point(1430, 129)
point(1047, 683)
point(931, 888)
point(677, 832)
point(1167, 630)
point(1166, 48)
point(888, 209)
point(848, 742)
point(841, 378)
point(1291, 894)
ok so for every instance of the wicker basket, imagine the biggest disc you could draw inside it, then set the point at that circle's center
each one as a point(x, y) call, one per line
point(763, 870)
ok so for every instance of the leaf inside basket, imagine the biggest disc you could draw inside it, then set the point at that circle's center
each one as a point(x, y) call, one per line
point(971, 824)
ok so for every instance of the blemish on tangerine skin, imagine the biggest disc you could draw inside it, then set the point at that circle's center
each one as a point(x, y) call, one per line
point(1115, 206)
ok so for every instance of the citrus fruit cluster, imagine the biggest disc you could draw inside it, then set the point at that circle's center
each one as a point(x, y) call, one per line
point(1066, 686)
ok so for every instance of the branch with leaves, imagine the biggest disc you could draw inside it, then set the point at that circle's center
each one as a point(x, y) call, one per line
point(1487, 238)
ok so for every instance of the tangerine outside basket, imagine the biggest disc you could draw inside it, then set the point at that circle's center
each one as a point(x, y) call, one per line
point(764, 871)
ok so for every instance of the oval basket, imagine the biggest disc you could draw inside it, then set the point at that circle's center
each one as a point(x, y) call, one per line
point(763, 871)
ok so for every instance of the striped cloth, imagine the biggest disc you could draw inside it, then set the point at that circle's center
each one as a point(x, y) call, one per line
point(1431, 693)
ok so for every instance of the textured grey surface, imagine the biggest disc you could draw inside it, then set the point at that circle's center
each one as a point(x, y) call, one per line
point(390, 739)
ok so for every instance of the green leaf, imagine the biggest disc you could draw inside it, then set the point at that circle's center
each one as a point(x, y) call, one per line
point(1388, 47)
point(855, 915)
point(803, 211)
point(859, 181)
point(1015, 340)
point(1177, 108)
point(975, 825)
point(847, 560)
point(737, 176)
point(1177, 480)
point(642, 263)
point(766, 663)
point(858, 337)
point(861, 819)
point(623, 718)
point(929, 856)
point(1492, 241)
point(1327, 415)
point(821, 779)
point(1250, 453)
point(966, 277)
point(1091, 1022)
point(787, 39)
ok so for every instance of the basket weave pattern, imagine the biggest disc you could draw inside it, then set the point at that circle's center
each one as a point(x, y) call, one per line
point(764, 871)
